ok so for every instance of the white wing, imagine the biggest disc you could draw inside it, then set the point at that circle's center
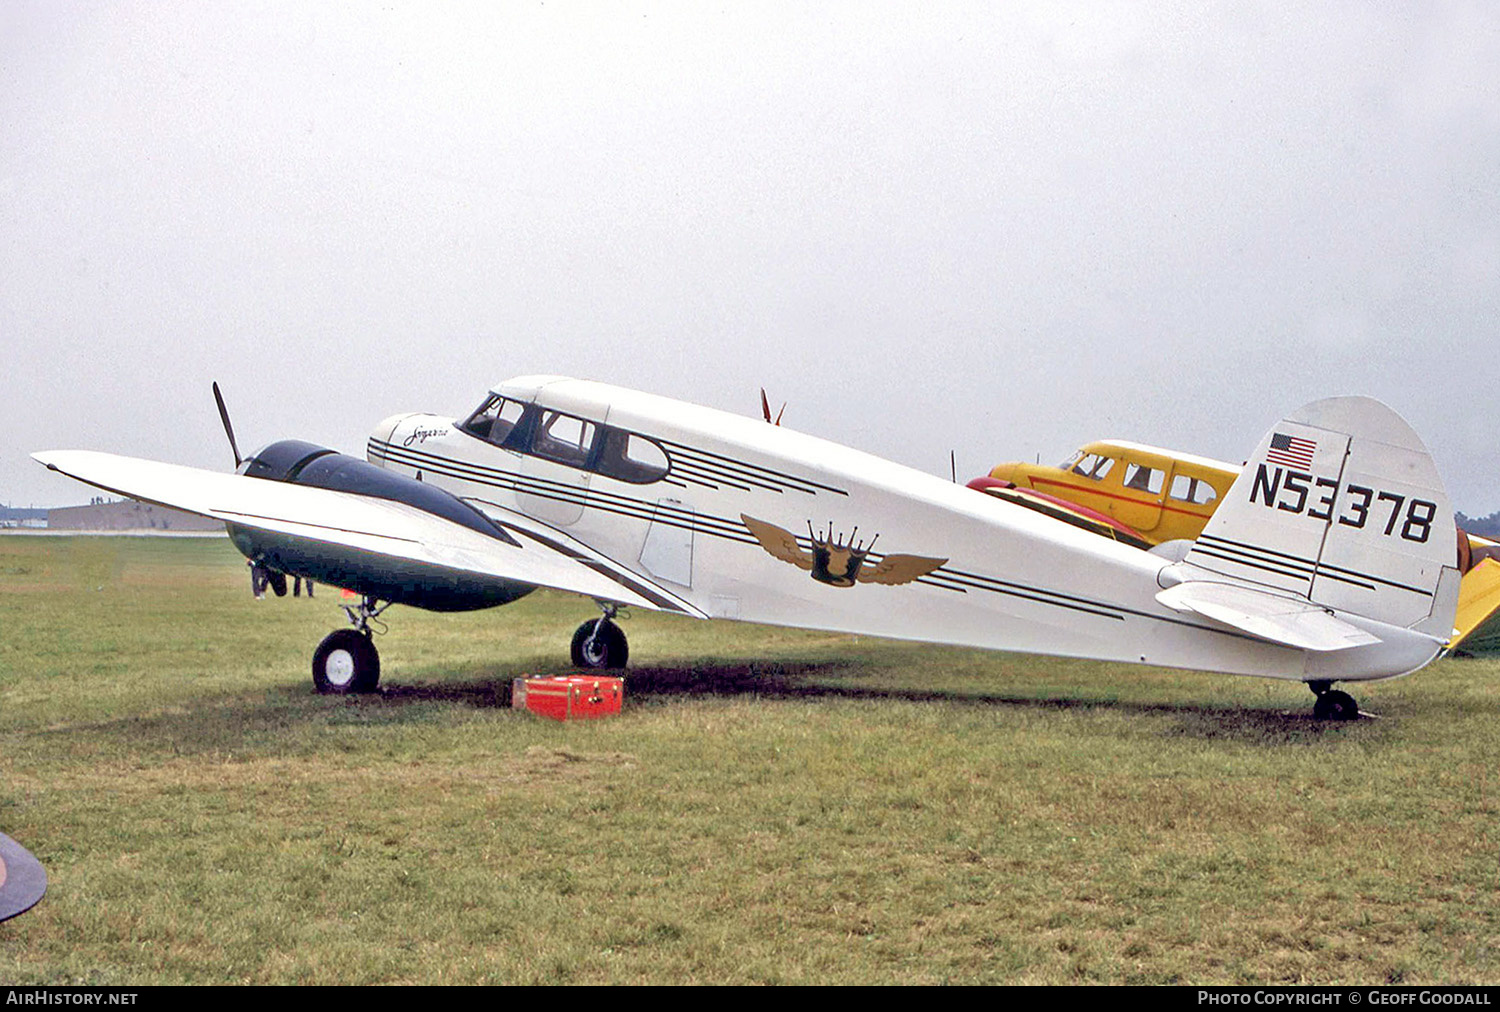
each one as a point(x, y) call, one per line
point(392, 529)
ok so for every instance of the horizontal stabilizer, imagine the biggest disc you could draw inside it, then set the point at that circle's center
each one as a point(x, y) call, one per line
point(1289, 622)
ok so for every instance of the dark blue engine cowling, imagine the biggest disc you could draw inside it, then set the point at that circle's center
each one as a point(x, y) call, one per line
point(436, 588)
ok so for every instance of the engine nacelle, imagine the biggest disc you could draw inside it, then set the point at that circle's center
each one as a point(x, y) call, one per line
point(372, 574)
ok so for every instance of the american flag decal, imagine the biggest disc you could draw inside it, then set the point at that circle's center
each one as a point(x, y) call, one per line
point(1291, 451)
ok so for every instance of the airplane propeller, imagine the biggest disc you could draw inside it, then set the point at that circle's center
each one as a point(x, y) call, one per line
point(228, 429)
point(261, 576)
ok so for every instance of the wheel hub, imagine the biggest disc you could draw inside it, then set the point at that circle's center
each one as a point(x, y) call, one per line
point(339, 668)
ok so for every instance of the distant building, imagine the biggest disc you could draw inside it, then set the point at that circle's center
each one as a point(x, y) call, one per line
point(127, 515)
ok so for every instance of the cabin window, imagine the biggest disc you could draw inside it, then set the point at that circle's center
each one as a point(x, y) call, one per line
point(1139, 478)
point(1092, 465)
point(1192, 490)
point(629, 457)
point(495, 419)
point(565, 439)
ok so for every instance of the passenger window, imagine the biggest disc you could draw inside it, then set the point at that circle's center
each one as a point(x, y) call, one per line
point(564, 438)
point(1143, 479)
point(1192, 490)
point(1093, 466)
point(629, 457)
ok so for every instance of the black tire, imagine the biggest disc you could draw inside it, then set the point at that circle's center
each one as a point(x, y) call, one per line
point(1335, 705)
point(277, 581)
point(608, 648)
point(346, 662)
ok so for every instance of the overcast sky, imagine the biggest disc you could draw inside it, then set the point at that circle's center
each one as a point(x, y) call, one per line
point(1001, 229)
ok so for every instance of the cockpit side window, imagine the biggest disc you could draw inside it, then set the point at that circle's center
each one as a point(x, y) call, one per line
point(630, 457)
point(565, 439)
point(480, 422)
point(495, 420)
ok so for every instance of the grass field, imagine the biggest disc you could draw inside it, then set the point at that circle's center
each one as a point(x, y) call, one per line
point(772, 806)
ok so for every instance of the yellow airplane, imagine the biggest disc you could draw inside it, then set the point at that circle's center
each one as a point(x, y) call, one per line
point(1161, 495)
point(1146, 495)
point(1477, 623)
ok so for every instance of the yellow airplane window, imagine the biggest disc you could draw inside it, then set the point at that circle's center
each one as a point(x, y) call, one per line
point(1143, 479)
point(1192, 490)
point(1093, 466)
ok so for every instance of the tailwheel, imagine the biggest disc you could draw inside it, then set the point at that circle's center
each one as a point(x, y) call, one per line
point(600, 644)
point(346, 662)
point(1333, 704)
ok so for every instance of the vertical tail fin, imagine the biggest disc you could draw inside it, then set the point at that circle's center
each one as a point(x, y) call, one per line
point(1341, 505)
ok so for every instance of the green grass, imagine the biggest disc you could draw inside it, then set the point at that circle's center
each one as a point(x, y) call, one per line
point(772, 806)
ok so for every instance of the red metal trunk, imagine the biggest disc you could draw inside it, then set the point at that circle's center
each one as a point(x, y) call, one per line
point(569, 697)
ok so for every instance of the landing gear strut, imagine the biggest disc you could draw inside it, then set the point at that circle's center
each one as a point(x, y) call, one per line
point(347, 661)
point(600, 643)
point(1333, 704)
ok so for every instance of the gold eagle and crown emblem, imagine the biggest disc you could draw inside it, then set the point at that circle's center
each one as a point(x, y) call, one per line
point(836, 561)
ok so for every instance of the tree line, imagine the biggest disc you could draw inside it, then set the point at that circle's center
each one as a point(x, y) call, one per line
point(1485, 527)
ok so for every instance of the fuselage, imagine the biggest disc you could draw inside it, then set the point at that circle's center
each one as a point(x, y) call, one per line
point(685, 497)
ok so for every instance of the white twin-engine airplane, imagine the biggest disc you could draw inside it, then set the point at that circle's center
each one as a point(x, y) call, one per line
point(1333, 559)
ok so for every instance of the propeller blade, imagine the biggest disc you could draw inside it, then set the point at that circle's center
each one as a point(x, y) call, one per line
point(228, 429)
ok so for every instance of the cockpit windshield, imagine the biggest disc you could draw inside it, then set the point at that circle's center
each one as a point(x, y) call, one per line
point(1090, 465)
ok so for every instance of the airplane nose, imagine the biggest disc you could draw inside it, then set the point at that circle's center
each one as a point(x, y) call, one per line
point(1004, 472)
point(409, 432)
point(387, 433)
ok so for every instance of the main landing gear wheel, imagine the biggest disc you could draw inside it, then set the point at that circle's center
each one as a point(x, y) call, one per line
point(346, 662)
point(1333, 704)
point(600, 644)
